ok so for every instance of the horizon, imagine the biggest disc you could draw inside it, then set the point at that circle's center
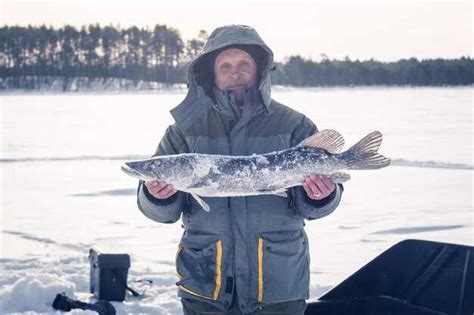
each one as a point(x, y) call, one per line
point(385, 32)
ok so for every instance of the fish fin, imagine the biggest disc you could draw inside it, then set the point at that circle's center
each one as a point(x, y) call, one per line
point(271, 191)
point(340, 177)
point(363, 155)
point(281, 193)
point(201, 202)
point(327, 139)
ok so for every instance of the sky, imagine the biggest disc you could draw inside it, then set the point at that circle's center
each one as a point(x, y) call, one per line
point(383, 30)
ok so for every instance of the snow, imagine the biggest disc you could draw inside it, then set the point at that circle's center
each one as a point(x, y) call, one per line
point(262, 160)
point(63, 191)
point(34, 292)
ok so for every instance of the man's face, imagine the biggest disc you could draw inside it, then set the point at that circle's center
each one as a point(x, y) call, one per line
point(234, 70)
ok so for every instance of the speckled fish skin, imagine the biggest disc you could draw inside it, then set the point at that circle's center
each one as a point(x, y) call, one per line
point(271, 173)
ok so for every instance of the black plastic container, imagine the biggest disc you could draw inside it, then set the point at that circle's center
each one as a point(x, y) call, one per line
point(413, 277)
point(108, 275)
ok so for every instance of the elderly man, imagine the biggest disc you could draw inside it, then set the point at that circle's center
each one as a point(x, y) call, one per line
point(249, 254)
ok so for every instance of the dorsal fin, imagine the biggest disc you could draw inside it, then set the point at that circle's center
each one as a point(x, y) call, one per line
point(327, 139)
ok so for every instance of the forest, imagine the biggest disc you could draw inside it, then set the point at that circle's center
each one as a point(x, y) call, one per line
point(160, 54)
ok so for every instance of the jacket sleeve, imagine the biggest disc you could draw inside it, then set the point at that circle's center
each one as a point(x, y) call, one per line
point(164, 210)
point(308, 208)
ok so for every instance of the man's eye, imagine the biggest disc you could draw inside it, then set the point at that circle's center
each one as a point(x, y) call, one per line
point(225, 67)
point(244, 64)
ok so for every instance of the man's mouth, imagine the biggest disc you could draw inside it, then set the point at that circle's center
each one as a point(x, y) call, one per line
point(236, 86)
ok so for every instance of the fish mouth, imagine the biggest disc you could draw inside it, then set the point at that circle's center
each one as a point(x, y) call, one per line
point(133, 172)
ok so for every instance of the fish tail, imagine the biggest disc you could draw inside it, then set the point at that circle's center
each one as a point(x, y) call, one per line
point(363, 155)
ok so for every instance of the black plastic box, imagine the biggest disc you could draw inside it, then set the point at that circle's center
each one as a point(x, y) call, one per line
point(413, 277)
point(108, 275)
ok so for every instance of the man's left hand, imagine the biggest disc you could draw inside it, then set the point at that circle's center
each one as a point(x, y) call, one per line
point(318, 187)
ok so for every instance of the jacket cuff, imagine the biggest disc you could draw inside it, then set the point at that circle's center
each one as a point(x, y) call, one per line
point(322, 202)
point(315, 209)
point(160, 210)
point(156, 201)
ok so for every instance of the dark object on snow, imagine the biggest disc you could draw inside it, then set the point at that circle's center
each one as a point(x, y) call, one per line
point(108, 275)
point(412, 277)
point(63, 303)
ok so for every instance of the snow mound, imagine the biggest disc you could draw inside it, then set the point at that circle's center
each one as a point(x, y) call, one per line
point(33, 293)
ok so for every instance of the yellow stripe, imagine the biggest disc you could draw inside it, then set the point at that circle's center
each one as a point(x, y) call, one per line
point(260, 269)
point(218, 269)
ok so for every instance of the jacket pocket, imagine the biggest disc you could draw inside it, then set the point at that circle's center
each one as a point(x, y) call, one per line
point(283, 266)
point(199, 269)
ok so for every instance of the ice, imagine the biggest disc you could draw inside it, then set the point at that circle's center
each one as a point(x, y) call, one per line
point(262, 160)
point(63, 191)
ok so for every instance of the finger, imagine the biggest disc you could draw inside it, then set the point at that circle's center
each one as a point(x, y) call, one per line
point(155, 185)
point(160, 184)
point(161, 187)
point(314, 189)
point(157, 191)
point(165, 191)
point(320, 184)
point(171, 193)
point(307, 190)
point(150, 184)
point(329, 183)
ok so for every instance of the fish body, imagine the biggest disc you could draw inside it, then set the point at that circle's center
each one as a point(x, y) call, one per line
point(271, 173)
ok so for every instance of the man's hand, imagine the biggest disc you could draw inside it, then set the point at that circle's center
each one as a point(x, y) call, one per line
point(159, 189)
point(318, 187)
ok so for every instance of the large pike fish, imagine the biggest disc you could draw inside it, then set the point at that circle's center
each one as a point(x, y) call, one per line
point(271, 173)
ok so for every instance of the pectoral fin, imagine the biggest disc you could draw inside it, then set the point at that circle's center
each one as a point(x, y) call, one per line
point(339, 177)
point(201, 202)
point(277, 192)
point(281, 193)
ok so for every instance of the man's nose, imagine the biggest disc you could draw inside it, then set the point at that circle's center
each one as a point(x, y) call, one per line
point(236, 75)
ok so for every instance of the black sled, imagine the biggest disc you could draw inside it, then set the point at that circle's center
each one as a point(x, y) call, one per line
point(412, 277)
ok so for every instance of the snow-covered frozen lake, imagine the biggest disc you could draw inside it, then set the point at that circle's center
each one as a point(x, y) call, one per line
point(62, 190)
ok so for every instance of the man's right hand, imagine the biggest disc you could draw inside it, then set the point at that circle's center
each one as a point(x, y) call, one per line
point(159, 189)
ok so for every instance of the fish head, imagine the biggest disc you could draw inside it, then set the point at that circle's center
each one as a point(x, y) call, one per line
point(144, 169)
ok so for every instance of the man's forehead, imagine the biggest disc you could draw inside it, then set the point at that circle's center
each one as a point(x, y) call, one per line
point(233, 53)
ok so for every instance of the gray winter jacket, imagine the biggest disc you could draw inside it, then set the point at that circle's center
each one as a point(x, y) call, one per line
point(257, 244)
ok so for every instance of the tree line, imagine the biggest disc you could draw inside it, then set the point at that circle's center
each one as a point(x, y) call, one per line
point(298, 71)
point(159, 54)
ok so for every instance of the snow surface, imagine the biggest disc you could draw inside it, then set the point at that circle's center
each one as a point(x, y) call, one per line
point(63, 191)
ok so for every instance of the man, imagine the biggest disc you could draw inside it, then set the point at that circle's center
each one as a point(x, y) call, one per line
point(248, 254)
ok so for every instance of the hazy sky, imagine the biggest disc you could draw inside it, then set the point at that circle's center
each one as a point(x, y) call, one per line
point(383, 30)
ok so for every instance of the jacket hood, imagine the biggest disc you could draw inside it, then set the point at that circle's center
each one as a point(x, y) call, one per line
point(201, 78)
point(200, 69)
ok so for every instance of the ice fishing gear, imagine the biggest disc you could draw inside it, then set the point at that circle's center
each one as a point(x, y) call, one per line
point(64, 303)
point(108, 276)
